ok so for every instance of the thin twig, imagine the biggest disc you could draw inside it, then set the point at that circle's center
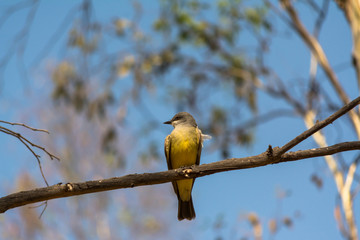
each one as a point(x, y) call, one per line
point(45, 204)
point(18, 135)
point(321, 17)
point(37, 158)
point(29, 144)
point(24, 125)
point(10, 11)
point(319, 125)
point(266, 117)
point(56, 36)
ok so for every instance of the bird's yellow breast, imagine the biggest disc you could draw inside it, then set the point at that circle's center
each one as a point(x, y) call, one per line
point(184, 146)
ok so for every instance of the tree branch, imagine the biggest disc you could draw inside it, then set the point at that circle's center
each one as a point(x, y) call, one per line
point(315, 48)
point(351, 9)
point(319, 125)
point(29, 145)
point(26, 126)
point(320, 55)
point(134, 180)
point(271, 156)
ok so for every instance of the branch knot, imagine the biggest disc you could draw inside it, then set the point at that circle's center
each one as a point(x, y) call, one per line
point(69, 187)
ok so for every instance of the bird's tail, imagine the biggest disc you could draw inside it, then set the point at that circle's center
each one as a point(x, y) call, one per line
point(186, 210)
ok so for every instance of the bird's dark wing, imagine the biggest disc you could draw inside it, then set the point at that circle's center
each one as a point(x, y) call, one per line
point(198, 131)
point(167, 148)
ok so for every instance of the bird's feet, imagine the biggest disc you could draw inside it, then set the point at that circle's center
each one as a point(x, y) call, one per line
point(186, 172)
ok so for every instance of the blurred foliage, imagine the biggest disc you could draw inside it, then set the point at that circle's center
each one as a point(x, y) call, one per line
point(318, 182)
point(220, 63)
point(192, 54)
point(192, 59)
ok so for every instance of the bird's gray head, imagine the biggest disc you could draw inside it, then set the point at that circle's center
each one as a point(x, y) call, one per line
point(182, 118)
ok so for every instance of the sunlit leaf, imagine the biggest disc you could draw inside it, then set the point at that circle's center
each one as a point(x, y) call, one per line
point(121, 25)
point(273, 226)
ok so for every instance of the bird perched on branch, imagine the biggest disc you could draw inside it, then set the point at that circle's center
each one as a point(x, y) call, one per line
point(182, 149)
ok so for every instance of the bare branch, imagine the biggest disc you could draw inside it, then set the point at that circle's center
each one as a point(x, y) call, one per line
point(347, 201)
point(352, 11)
point(20, 137)
point(12, 9)
point(37, 158)
point(321, 17)
point(266, 117)
point(29, 144)
point(45, 204)
point(271, 156)
point(315, 47)
point(319, 125)
point(134, 180)
point(56, 36)
point(23, 125)
point(320, 55)
point(19, 42)
point(313, 89)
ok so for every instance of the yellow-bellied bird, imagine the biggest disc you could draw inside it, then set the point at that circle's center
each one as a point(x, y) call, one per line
point(183, 148)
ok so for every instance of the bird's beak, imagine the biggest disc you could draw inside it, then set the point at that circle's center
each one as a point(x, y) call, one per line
point(167, 122)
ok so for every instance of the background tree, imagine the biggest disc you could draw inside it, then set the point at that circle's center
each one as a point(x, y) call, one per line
point(118, 71)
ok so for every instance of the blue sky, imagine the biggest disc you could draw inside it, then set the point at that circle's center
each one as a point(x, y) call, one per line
point(231, 194)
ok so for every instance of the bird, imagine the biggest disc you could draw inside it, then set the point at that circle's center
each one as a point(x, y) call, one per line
point(183, 149)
